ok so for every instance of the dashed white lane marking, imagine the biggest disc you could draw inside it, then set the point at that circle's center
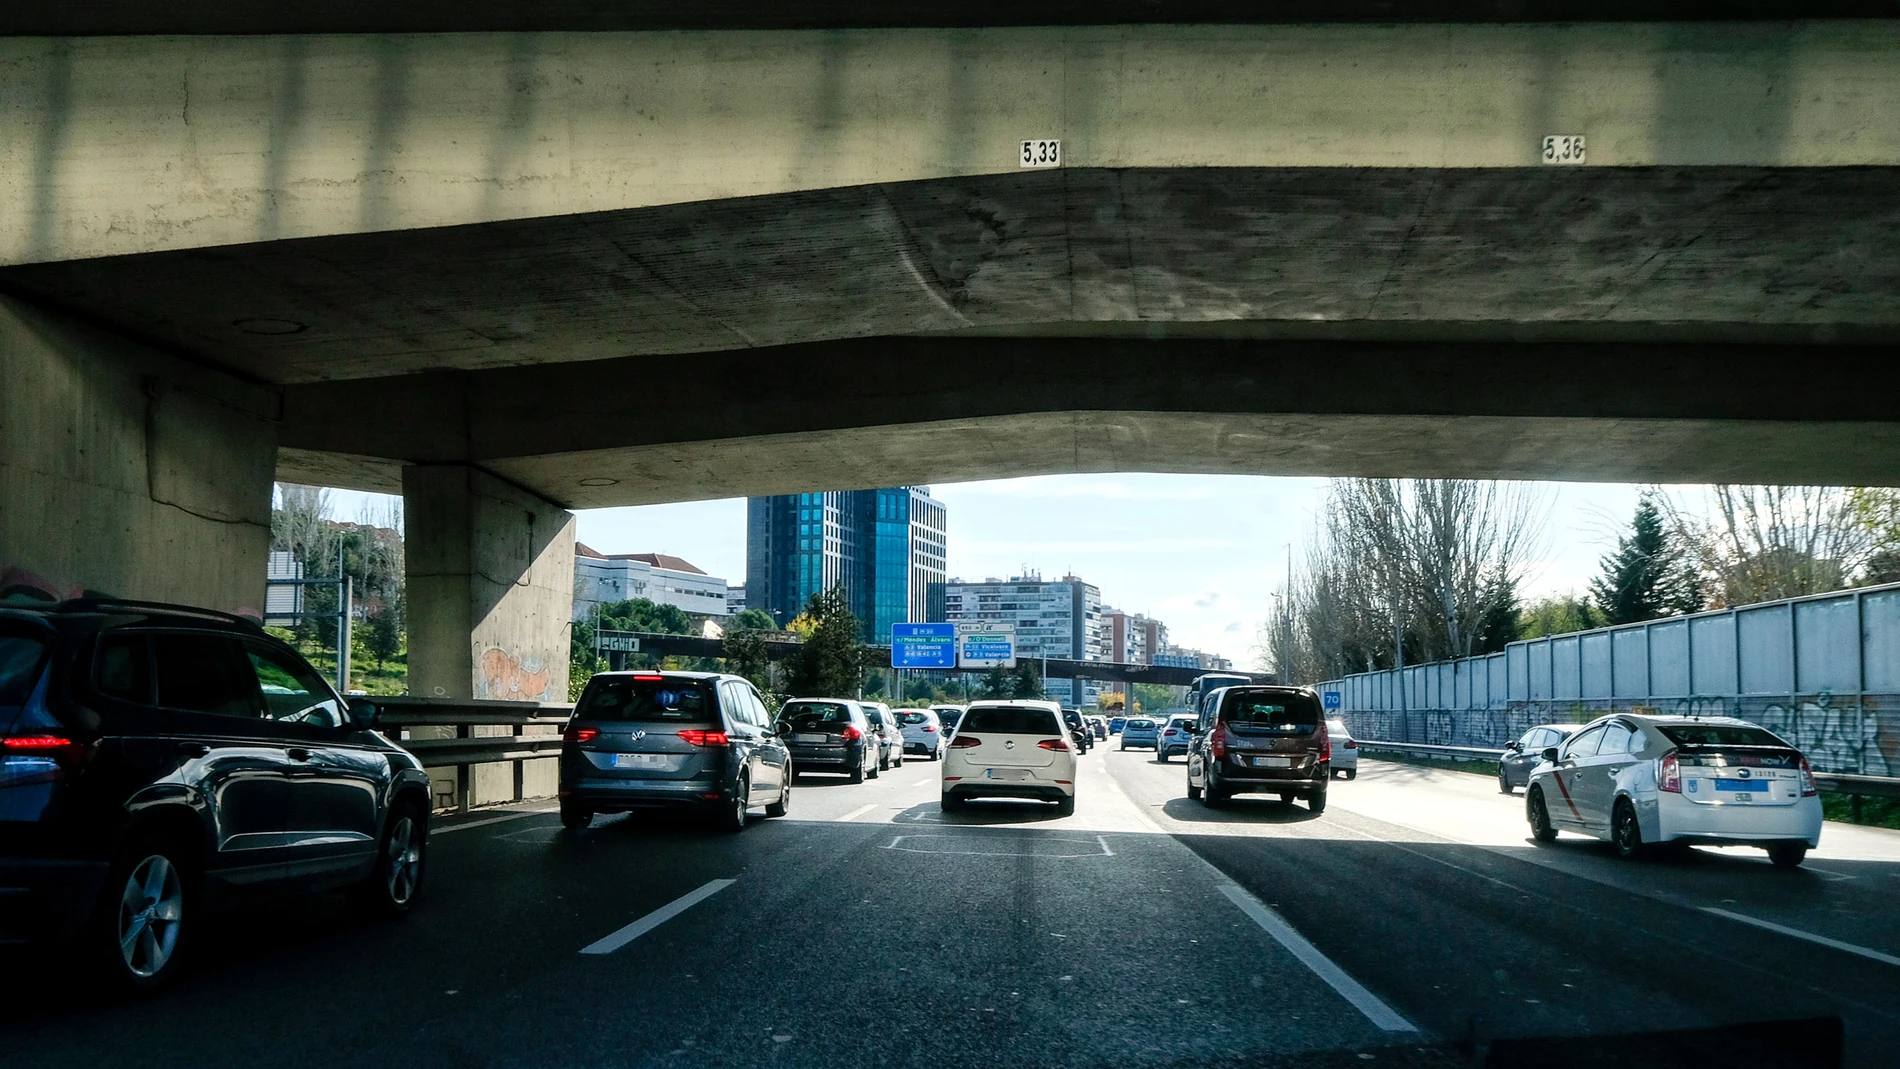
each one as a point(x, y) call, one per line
point(484, 823)
point(656, 918)
point(1376, 1011)
point(1851, 948)
point(858, 812)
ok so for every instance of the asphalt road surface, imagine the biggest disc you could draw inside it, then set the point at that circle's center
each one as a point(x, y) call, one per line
point(1146, 930)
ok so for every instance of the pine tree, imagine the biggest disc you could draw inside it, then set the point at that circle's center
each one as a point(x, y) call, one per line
point(997, 683)
point(1027, 680)
point(1648, 576)
point(830, 662)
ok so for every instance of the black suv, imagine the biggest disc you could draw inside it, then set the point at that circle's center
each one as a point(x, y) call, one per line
point(157, 758)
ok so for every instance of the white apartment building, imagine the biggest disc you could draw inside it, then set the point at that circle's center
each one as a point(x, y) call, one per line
point(604, 578)
point(1054, 618)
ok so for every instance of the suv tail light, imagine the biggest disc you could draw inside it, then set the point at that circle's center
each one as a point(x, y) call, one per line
point(699, 737)
point(964, 742)
point(579, 734)
point(1669, 774)
point(1053, 744)
point(1807, 779)
point(851, 733)
point(1217, 742)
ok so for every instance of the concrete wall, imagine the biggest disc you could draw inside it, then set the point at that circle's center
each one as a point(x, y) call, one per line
point(490, 586)
point(133, 144)
point(126, 472)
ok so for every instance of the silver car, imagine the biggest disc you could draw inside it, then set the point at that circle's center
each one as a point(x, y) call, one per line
point(890, 734)
point(1176, 736)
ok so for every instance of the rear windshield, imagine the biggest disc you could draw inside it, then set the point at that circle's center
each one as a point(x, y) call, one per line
point(624, 698)
point(1719, 735)
point(1280, 714)
point(912, 717)
point(1074, 718)
point(1138, 722)
point(949, 717)
point(807, 714)
point(20, 658)
point(1010, 720)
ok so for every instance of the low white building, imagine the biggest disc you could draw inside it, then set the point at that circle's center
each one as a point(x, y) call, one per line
point(604, 578)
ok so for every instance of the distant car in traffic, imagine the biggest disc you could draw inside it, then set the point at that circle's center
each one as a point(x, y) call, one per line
point(157, 757)
point(1097, 725)
point(693, 740)
point(890, 734)
point(1140, 732)
point(1345, 749)
point(1262, 740)
point(947, 716)
point(829, 735)
point(1527, 752)
point(923, 732)
point(1011, 749)
point(1115, 724)
point(1176, 736)
point(1084, 739)
point(1646, 781)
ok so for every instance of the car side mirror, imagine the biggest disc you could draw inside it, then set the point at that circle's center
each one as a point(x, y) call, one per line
point(1550, 754)
point(364, 713)
point(781, 728)
point(1514, 746)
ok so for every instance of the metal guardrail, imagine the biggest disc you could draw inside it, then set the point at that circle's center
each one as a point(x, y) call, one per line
point(466, 749)
point(1476, 753)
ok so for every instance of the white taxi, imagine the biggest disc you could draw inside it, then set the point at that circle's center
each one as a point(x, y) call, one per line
point(1010, 749)
point(1640, 781)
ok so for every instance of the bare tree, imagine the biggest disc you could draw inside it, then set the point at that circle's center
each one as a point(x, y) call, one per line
point(1762, 543)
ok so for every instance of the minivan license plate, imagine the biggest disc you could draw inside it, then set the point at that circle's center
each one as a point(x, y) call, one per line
point(1273, 762)
point(641, 760)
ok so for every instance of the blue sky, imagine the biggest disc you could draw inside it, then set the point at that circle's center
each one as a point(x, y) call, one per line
point(1199, 552)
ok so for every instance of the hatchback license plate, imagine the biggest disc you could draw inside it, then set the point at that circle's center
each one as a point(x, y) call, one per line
point(1273, 762)
point(641, 760)
point(1005, 773)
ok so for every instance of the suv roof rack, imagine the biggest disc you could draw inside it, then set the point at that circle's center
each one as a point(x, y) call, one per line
point(106, 604)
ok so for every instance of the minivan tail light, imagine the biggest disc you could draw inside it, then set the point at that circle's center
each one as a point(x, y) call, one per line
point(1218, 742)
point(1325, 744)
point(1807, 779)
point(579, 735)
point(1669, 774)
point(699, 737)
point(1053, 744)
point(964, 742)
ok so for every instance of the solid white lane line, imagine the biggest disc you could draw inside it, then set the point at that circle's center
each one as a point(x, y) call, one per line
point(858, 812)
point(1865, 952)
point(433, 832)
point(1276, 926)
point(655, 919)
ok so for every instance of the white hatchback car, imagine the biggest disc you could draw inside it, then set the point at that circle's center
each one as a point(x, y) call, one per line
point(1345, 749)
point(1010, 749)
point(923, 732)
point(1639, 781)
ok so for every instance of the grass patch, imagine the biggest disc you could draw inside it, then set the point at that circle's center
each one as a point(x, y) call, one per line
point(1874, 812)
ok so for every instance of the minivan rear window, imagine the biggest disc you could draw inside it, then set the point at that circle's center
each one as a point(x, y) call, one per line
point(1719, 735)
point(1276, 714)
point(626, 698)
point(1011, 720)
point(20, 657)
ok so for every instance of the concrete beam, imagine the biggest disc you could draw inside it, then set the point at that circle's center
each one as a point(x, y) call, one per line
point(126, 472)
point(886, 411)
point(132, 144)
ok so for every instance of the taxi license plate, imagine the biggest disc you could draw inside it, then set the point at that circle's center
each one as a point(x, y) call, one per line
point(642, 760)
point(1750, 785)
point(811, 738)
point(1273, 762)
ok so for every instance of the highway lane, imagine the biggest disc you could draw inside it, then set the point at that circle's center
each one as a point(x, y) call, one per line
point(869, 928)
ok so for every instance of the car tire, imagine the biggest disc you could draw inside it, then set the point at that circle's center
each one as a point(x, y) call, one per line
point(575, 817)
point(1286, 799)
point(1066, 807)
point(950, 803)
point(1194, 793)
point(1504, 782)
point(1788, 855)
point(1317, 803)
point(1161, 757)
point(784, 803)
point(733, 817)
point(1542, 830)
point(401, 856)
point(151, 880)
point(875, 770)
point(857, 773)
point(1626, 832)
point(1352, 773)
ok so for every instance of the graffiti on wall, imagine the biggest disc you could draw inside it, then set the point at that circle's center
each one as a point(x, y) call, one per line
point(508, 677)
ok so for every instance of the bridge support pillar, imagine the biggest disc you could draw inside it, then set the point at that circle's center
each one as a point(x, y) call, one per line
point(490, 595)
point(129, 473)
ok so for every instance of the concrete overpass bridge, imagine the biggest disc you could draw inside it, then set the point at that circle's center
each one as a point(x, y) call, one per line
point(517, 271)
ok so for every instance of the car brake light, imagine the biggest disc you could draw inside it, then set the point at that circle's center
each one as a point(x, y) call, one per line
point(927, 727)
point(851, 733)
point(1807, 779)
point(964, 742)
point(1669, 774)
point(1218, 742)
point(649, 679)
point(579, 735)
point(1350, 744)
point(704, 738)
point(1053, 744)
point(57, 747)
point(1325, 745)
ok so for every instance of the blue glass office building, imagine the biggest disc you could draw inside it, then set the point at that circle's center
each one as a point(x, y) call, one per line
point(885, 547)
